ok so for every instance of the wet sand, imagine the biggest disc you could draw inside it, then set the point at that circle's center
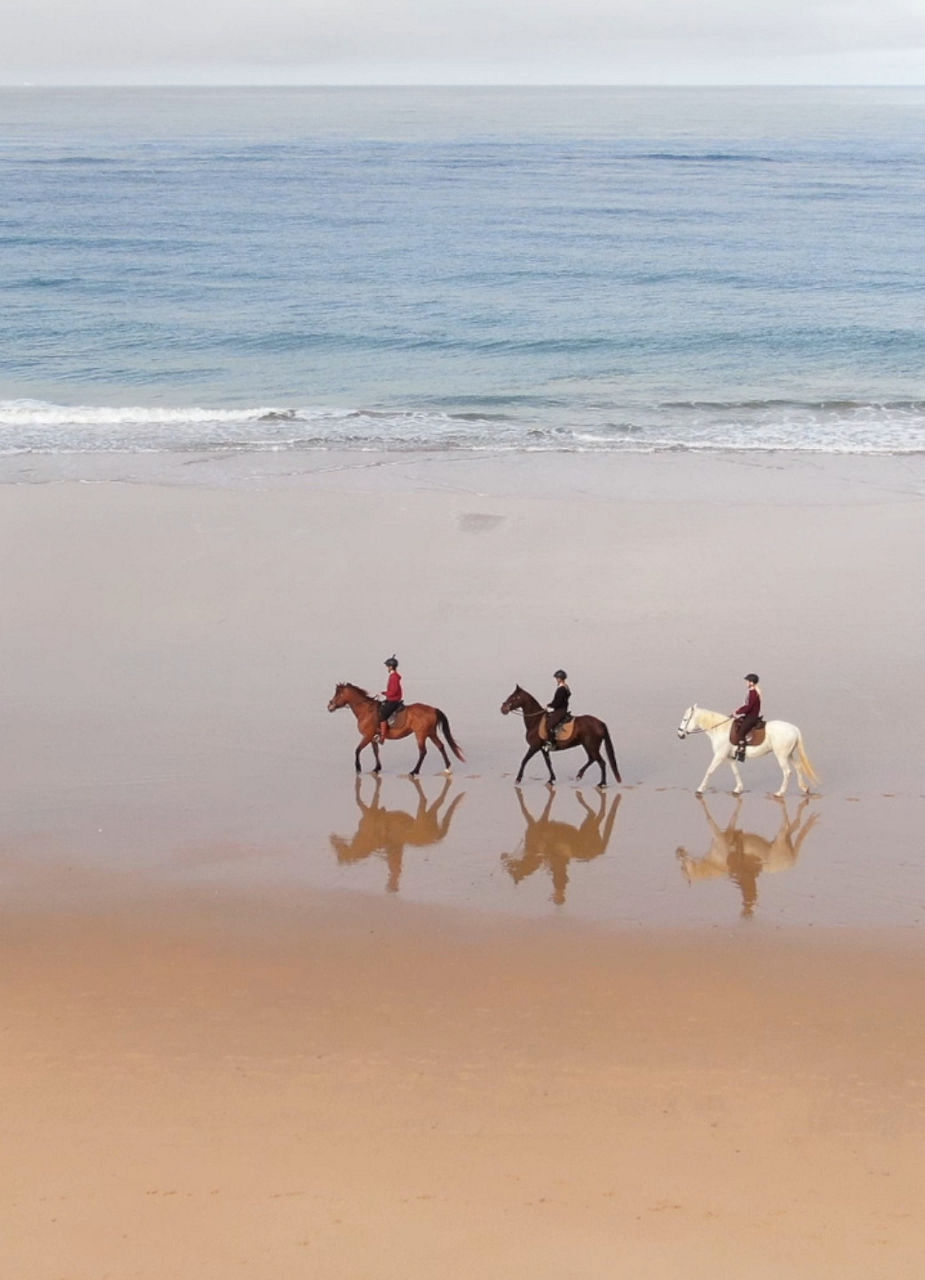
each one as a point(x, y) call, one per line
point(261, 1018)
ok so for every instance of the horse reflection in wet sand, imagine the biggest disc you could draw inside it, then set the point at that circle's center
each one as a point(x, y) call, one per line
point(552, 845)
point(386, 832)
point(743, 855)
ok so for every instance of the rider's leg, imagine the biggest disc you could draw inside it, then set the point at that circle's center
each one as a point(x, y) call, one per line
point(746, 724)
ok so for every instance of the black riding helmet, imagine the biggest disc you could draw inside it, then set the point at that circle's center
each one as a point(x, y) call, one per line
point(392, 662)
point(559, 675)
point(752, 678)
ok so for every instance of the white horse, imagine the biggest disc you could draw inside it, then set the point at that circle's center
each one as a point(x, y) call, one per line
point(784, 739)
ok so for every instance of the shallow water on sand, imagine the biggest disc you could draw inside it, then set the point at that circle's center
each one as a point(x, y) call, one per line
point(637, 857)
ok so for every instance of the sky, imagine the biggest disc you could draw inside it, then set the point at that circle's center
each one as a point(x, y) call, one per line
point(462, 42)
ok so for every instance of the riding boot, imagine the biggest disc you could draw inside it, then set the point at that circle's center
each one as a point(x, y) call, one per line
point(383, 730)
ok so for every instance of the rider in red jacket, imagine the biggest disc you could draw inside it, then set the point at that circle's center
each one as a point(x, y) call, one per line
point(393, 697)
point(746, 716)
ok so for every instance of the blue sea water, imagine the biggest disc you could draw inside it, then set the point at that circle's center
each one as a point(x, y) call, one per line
point(557, 268)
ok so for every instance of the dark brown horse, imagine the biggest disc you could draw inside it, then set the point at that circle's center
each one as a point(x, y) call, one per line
point(552, 845)
point(417, 718)
point(588, 732)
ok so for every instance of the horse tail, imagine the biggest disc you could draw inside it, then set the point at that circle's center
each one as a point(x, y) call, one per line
point(608, 746)
point(805, 762)
point(445, 726)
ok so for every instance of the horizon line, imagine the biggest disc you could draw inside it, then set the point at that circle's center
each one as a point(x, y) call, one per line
point(465, 84)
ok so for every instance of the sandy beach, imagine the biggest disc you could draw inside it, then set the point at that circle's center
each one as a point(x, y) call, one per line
point(264, 1018)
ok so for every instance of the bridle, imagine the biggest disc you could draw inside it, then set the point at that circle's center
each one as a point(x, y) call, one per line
point(519, 711)
point(685, 731)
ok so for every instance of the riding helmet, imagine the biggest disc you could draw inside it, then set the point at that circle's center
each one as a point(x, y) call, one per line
point(752, 678)
point(559, 675)
point(392, 662)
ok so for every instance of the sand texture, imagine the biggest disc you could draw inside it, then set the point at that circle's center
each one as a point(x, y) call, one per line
point(264, 1018)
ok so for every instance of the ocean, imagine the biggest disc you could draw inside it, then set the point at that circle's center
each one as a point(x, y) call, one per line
point(462, 269)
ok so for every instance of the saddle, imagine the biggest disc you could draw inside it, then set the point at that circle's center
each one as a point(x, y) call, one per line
point(753, 738)
point(393, 718)
point(561, 734)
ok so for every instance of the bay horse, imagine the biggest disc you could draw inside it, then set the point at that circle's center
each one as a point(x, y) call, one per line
point(784, 739)
point(588, 732)
point(417, 718)
point(388, 831)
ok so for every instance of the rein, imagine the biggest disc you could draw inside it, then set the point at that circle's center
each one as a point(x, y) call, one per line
point(700, 728)
point(526, 715)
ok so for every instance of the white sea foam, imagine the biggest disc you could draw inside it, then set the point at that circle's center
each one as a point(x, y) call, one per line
point(32, 426)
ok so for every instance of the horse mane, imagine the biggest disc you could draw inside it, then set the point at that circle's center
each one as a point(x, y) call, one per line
point(348, 684)
point(713, 719)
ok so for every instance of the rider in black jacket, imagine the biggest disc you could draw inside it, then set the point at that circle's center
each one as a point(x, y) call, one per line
point(557, 711)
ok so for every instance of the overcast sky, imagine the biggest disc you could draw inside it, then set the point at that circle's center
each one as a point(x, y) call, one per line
point(462, 41)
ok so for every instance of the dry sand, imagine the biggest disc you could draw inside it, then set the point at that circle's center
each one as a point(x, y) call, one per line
point(263, 1020)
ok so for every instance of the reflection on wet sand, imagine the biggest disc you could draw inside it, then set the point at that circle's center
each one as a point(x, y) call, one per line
point(387, 831)
point(743, 855)
point(553, 844)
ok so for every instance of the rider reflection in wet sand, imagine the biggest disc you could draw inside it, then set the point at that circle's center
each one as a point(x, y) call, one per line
point(386, 832)
point(553, 844)
point(742, 856)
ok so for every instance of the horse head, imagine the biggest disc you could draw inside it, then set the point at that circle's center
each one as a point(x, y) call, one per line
point(513, 702)
point(688, 721)
point(340, 697)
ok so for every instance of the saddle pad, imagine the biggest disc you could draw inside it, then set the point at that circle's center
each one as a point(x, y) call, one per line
point(563, 732)
point(755, 736)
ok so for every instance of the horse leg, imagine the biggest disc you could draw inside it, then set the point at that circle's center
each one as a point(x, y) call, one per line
point(802, 782)
point(600, 759)
point(422, 744)
point(714, 765)
point(737, 789)
point(784, 763)
point(531, 752)
point(364, 743)
point(594, 757)
point(434, 737)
